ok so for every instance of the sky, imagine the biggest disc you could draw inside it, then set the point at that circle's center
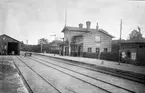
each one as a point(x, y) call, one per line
point(34, 19)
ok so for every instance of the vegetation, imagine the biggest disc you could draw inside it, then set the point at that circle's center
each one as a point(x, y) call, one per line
point(90, 55)
point(111, 56)
point(46, 46)
point(135, 35)
point(42, 41)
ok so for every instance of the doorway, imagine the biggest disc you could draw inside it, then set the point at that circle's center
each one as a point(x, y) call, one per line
point(12, 48)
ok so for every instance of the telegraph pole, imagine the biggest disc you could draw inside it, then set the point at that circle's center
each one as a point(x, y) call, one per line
point(65, 16)
point(41, 47)
point(4, 15)
point(120, 42)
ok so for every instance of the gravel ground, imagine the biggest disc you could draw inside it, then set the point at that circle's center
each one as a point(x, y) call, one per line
point(10, 81)
point(65, 83)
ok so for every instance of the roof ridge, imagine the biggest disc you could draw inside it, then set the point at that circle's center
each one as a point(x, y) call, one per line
point(10, 37)
point(71, 28)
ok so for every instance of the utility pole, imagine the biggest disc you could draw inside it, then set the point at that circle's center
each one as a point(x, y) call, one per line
point(41, 46)
point(65, 16)
point(54, 40)
point(62, 46)
point(120, 42)
point(4, 15)
point(27, 46)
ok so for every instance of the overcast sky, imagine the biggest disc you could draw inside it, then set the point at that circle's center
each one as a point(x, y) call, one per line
point(35, 19)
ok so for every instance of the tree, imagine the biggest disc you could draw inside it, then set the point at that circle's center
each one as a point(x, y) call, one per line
point(135, 35)
point(42, 41)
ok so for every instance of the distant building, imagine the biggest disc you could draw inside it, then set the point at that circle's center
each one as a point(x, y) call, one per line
point(79, 40)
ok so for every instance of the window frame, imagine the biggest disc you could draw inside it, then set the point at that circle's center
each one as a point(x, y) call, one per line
point(105, 49)
point(89, 49)
point(97, 50)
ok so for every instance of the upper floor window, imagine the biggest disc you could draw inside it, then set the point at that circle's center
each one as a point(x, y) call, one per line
point(97, 50)
point(89, 49)
point(97, 39)
point(105, 50)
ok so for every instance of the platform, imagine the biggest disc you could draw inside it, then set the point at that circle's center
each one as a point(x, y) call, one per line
point(110, 66)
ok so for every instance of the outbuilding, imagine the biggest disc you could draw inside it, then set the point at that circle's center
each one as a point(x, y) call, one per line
point(9, 45)
point(134, 51)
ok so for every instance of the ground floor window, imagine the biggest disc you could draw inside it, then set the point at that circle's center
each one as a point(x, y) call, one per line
point(105, 50)
point(97, 50)
point(89, 49)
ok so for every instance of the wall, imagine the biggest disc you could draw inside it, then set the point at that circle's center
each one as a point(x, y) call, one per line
point(69, 35)
point(89, 41)
point(6, 40)
point(78, 40)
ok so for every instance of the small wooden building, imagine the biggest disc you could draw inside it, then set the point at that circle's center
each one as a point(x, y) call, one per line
point(133, 51)
point(9, 45)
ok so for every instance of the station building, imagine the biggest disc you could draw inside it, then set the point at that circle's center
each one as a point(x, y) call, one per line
point(79, 40)
point(9, 45)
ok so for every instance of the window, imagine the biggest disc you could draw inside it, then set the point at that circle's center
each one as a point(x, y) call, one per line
point(97, 50)
point(105, 50)
point(97, 39)
point(89, 49)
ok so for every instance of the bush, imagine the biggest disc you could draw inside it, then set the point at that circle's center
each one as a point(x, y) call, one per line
point(54, 51)
point(90, 55)
point(111, 56)
point(74, 54)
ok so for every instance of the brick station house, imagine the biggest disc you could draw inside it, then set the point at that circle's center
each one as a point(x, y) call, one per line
point(78, 40)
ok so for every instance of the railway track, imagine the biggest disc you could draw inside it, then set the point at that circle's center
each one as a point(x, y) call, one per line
point(67, 74)
point(38, 75)
point(94, 68)
point(115, 86)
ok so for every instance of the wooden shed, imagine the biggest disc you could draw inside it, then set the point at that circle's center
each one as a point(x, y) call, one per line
point(134, 51)
point(9, 45)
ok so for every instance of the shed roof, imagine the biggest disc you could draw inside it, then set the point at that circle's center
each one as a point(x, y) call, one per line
point(134, 41)
point(4, 35)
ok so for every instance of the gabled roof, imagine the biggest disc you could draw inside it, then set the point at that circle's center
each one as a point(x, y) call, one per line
point(74, 29)
point(99, 30)
point(134, 41)
point(10, 38)
point(77, 29)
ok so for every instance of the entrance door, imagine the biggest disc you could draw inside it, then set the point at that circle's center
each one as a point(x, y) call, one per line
point(66, 50)
point(12, 48)
point(80, 50)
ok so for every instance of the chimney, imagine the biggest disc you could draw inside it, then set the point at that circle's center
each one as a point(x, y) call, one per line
point(88, 24)
point(97, 26)
point(80, 25)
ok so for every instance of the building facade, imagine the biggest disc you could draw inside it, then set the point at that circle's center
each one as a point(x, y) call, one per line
point(133, 52)
point(9, 45)
point(85, 40)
